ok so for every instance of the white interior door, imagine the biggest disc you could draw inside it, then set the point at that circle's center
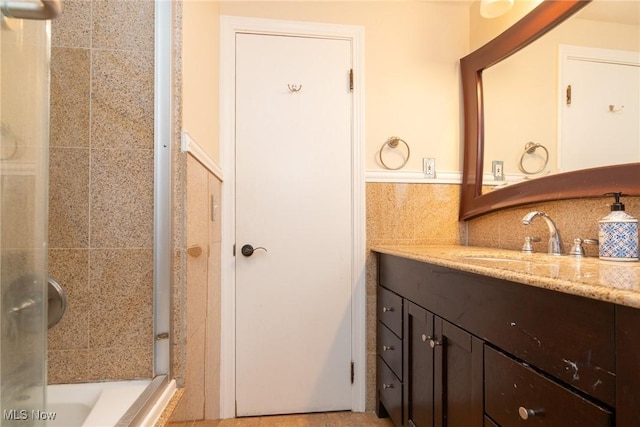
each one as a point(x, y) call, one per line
point(293, 198)
point(600, 126)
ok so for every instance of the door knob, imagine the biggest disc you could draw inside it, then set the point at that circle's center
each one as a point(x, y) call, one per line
point(248, 250)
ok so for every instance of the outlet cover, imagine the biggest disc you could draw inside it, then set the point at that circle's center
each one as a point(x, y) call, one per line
point(498, 172)
point(429, 167)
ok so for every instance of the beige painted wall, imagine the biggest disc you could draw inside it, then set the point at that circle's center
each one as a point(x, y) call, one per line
point(483, 30)
point(200, 53)
point(412, 51)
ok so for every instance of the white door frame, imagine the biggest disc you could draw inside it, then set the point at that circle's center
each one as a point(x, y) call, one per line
point(229, 27)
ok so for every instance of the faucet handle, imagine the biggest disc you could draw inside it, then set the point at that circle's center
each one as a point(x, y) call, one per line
point(527, 243)
point(577, 249)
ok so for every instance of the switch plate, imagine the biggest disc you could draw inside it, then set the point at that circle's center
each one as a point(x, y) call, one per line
point(429, 167)
point(498, 172)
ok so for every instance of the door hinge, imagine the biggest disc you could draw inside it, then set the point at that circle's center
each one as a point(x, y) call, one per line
point(351, 80)
point(353, 372)
point(569, 95)
point(234, 249)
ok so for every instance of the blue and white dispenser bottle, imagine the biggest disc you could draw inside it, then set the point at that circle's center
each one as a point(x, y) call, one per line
point(618, 234)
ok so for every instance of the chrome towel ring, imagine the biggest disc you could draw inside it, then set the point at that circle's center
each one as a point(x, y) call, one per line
point(530, 148)
point(393, 143)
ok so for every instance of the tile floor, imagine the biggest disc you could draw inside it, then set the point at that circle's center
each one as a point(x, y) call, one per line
point(330, 419)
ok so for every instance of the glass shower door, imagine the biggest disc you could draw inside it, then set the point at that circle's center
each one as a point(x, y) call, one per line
point(24, 136)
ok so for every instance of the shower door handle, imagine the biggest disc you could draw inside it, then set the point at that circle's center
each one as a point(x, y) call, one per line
point(42, 10)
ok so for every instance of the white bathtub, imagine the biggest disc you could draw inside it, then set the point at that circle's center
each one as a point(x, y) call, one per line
point(91, 404)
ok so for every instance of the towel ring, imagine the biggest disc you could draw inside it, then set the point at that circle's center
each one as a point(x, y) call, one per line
point(394, 142)
point(530, 148)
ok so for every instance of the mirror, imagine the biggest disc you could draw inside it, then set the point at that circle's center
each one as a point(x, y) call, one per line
point(589, 182)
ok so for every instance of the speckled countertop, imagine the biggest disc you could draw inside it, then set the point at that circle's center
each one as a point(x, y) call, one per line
point(611, 281)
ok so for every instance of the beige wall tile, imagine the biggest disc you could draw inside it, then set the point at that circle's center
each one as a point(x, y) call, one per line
point(197, 283)
point(413, 213)
point(73, 27)
point(123, 25)
point(121, 198)
point(70, 267)
point(102, 97)
point(17, 229)
point(574, 218)
point(197, 204)
point(68, 198)
point(191, 406)
point(121, 298)
point(113, 364)
point(67, 366)
point(69, 107)
point(214, 320)
point(122, 99)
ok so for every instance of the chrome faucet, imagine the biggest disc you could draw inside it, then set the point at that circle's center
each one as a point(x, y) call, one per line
point(555, 244)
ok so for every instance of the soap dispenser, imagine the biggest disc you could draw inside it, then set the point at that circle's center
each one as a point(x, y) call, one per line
point(618, 234)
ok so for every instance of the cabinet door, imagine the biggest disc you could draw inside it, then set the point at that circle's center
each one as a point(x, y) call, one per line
point(458, 377)
point(628, 367)
point(418, 362)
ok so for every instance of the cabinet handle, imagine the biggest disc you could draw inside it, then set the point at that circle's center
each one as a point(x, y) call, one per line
point(426, 337)
point(385, 309)
point(526, 413)
point(387, 347)
point(385, 386)
point(433, 343)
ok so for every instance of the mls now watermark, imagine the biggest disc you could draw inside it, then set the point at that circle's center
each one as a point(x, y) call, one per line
point(25, 414)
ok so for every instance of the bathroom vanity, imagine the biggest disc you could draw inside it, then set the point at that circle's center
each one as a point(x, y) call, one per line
point(470, 337)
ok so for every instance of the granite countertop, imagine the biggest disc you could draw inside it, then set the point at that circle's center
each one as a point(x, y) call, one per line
point(610, 281)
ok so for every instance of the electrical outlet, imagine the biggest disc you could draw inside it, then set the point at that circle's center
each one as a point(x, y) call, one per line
point(429, 167)
point(498, 173)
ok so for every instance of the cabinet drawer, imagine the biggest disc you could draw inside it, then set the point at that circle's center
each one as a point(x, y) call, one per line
point(390, 310)
point(390, 349)
point(512, 389)
point(389, 391)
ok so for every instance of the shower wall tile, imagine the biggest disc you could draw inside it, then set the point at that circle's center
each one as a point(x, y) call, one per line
point(70, 268)
point(69, 198)
point(67, 366)
point(113, 364)
point(122, 99)
point(73, 27)
point(121, 298)
point(69, 109)
point(101, 189)
point(121, 198)
point(123, 25)
point(17, 228)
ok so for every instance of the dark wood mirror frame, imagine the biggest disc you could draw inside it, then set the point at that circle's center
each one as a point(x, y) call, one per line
point(593, 182)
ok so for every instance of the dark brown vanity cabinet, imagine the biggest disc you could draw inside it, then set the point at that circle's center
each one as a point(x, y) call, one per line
point(389, 355)
point(479, 351)
point(443, 378)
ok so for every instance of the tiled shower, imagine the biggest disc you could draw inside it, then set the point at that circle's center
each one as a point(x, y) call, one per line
point(101, 190)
